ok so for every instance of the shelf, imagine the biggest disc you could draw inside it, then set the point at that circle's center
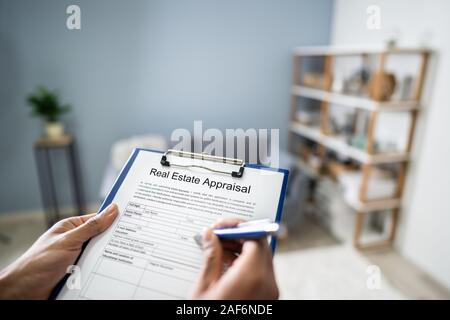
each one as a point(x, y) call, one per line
point(355, 50)
point(338, 144)
point(374, 205)
point(353, 101)
point(355, 204)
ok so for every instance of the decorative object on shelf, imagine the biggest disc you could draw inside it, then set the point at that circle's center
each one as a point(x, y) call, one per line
point(406, 88)
point(358, 81)
point(391, 43)
point(305, 151)
point(313, 80)
point(393, 38)
point(381, 86)
point(359, 141)
point(338, 83)
point(45, 104)
point(307, 117)
point(357, 133)
point(382, 146)
point(348, 127)
point(381, 185)
point(315, 162)
point(333, 125)
point(335, 168)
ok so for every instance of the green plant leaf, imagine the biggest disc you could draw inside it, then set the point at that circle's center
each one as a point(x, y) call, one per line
point(45, 104)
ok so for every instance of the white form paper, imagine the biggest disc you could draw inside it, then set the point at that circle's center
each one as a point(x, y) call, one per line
point(149, 251)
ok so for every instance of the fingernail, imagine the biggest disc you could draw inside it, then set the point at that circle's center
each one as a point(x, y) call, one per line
point(109, 210)
point(112, 210)
point(207, 234)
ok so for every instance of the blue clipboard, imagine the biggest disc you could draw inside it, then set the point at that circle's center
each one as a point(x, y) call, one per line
point(135, 153)
point(124, 172)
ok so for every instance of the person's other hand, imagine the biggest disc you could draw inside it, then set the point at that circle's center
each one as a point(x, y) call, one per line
point(40, 268)
point(235, 270)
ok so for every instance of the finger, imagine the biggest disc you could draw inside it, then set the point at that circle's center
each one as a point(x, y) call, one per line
point(86, 217)
point(255, 246)
point(229, 257)
point(82, 219)
point(93, 224)
point(255, 250)
point(227, 223)
point(232, 245)
point(249, 275)
point(212, 264)
point(73, 221)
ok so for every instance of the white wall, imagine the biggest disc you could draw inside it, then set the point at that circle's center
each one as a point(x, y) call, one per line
point(424, 235)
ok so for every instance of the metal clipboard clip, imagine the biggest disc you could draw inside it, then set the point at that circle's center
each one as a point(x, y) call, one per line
point(206, 157)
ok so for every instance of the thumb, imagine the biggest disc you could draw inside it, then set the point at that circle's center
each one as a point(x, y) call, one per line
point(212, 264)
point(96, 224)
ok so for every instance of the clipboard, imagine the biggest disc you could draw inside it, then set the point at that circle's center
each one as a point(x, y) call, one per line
point(204, 157)
point(169, 159)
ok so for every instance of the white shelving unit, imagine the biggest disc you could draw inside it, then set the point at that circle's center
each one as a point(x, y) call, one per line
point(367, 158)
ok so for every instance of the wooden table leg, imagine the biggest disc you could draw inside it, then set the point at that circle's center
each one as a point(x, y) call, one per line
point(76, 179)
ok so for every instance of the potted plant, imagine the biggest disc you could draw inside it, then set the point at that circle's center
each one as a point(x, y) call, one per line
point(45, 104)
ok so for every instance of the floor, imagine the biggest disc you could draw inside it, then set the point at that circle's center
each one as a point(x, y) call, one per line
point(309, 264)
point(402, 277)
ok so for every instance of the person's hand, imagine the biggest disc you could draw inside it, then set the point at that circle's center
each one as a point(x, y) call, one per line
point(40, 268)
point(235, 270)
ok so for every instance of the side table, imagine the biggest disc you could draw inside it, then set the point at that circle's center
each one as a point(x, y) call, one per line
point(43, 148)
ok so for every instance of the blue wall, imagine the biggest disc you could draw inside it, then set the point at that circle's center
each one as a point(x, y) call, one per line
point(144, 66)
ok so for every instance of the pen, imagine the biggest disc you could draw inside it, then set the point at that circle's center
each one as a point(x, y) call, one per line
point(254, 229)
